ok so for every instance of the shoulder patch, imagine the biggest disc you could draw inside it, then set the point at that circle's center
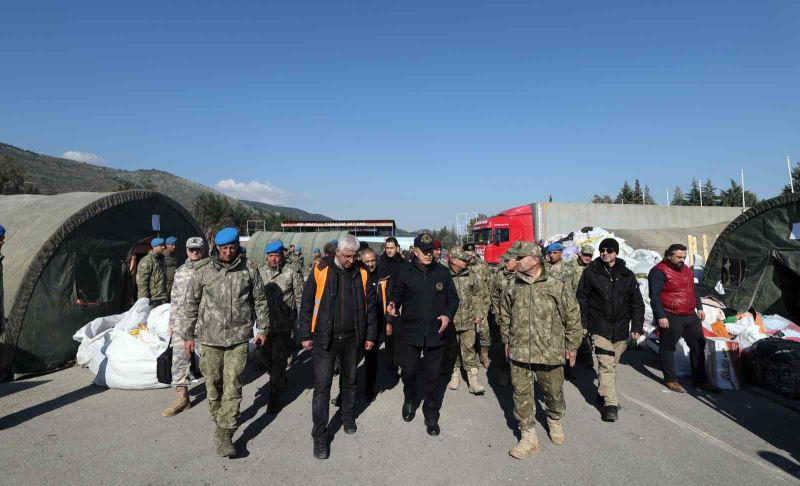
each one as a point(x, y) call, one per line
point(439, 286)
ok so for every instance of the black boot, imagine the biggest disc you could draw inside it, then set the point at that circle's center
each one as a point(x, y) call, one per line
point(408, 411)
point(349, 426)
point(610, 413)
point(432, 427)
point(321, 449)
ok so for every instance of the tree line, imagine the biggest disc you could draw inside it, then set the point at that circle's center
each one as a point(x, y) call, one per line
point(12, 178)
point(214, 211)
point(698, 195)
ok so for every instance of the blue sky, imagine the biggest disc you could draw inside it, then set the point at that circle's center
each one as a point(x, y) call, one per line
point(410, 110)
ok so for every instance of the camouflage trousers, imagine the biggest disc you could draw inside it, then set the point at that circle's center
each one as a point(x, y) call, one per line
point(551, 380)
point(181, 362)
point(223, 368)
point(485, 333)
point(465, 354)
point(275, 357)
point(608, 355)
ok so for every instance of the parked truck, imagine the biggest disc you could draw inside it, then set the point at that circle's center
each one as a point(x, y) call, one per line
point(647, 226)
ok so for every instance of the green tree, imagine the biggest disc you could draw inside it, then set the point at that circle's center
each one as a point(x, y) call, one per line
point(787, 189)
point(648, 198)
point(625, 194)
point(678, 199)
point(638, 195)
point(732, 196)
point(693, 197)
point(710, 196)
point(125, 185)
point(605, 199)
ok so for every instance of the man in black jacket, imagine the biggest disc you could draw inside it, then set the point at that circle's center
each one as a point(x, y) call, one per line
point(427, 299)
point(337, 318)
point(379, 282)
point(611, 309)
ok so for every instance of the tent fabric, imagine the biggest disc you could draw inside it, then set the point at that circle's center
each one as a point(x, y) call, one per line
point(757, 260)
point(308, 240)
point(66, 246)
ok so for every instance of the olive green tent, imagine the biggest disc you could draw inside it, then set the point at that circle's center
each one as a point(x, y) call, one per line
point(757, 259)
point(68, 259)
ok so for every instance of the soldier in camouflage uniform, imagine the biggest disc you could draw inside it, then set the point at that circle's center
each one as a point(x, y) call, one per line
point(579, 264)
point(557, 268)
point(284, 288)
point(500, 283)
point(218, 309)
point(170, 263)
point(151, 275)
point(471, 311)
point(299, 259)
point(181, 361)
point(484, 276)
point(540, 326)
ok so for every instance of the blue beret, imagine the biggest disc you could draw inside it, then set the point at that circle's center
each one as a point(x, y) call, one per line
point(316, 250)
point(157, 242)
point(335, 242)
point(2, 230)
point(274, 247)
point(171, 240)
point(226, 236)
point(554, 247)
point(297, 248)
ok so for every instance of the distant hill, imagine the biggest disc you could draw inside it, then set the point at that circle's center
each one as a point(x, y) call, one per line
point(54, 175)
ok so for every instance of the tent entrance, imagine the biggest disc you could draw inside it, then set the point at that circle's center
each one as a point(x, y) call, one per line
point(135, 255)
point(778, 291)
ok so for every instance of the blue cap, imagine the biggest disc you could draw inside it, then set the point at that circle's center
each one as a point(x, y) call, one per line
point(316, 250)
point(297, 248)
point(2, 230)
point(226, 236)
point(171, 240)
point(157, 242)
point(554, 247)
point(275, 246)
point(336, 242)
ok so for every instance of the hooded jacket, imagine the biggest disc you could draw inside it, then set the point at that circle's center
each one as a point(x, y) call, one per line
point(610, 300)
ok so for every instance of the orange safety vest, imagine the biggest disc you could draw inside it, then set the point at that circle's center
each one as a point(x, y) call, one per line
point(320, 276)
point(383, 284)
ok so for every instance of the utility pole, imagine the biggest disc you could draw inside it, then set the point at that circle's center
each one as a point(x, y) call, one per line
point(791, 179)
point(667, 191)
point(700, 186)
point(743, 191)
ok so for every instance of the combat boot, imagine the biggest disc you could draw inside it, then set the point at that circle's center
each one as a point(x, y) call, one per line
point(455, 379)
point(225, 447)
point(528, 445)
point(475, 386)
point(556, 431)
point(218, 434)
point(180, 404)
point(485, 361)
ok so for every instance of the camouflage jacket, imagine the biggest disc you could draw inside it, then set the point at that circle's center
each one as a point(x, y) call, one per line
point(500, 282)
point(151, 277)
point(471, 299)
point(221, 301)
point(171, 266)
point(284, 289)
point(179, 287)
point(484, 274)
point(564, 272)
point(539, 320)
point(577, 270)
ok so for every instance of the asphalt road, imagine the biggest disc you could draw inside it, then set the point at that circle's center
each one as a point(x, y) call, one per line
point(58, 428)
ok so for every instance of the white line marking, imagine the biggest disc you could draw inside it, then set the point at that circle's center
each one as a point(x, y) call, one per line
point(722, 445)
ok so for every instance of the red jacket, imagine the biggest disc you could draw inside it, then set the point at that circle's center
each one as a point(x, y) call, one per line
point(678, 295)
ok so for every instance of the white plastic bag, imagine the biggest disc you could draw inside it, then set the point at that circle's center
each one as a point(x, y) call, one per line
point(158, 321)
point(775, 322)
point(749, 336)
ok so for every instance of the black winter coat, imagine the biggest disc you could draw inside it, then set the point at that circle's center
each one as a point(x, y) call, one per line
point(365, 318)
point(610, 301)
point(425, 293)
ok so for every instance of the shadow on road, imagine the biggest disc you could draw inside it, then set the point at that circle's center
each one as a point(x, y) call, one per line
point(16, 418)
point(781, 462)
point(12, 387)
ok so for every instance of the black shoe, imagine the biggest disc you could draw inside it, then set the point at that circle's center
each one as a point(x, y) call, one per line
point(349, 426)
point(408, 411)
point(274, 403)
point(609, 413)
point(433, 429)
point(321, 449)
point(337, 401)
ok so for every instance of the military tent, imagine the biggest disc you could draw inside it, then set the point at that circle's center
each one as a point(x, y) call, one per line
point(70, 258)
point(757, 259)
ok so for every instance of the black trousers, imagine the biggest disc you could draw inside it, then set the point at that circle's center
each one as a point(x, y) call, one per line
point(348, 352)
point(371, 360)
point(691, 330)
point(426, 361)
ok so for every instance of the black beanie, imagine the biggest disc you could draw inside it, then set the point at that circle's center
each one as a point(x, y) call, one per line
point(610, 243)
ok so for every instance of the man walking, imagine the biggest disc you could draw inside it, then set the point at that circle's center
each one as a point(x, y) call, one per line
point(540, 325)
point(337, 319)
point(170, 263)
point(500, 283)
point(612, 309)
point(425, 294)
point(379, 282)
point(218, 309)
point(679, 312)
point(283, 286)
point(181, 360)
point(151, 275)
point(481, 269)
point(556, 267)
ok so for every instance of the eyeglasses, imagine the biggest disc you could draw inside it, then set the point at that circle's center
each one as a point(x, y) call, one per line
point(607, 250)
point(193, 250)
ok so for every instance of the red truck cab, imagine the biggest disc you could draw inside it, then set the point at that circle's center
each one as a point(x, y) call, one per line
point(494, 235)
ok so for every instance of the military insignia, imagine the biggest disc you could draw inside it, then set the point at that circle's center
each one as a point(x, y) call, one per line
point(427, 239)
point(439, 286)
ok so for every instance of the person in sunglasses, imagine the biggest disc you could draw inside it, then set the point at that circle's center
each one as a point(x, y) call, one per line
point(612, 309)
point(181, 360)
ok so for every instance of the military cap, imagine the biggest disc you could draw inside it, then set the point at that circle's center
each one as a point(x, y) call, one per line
point(316, 250)
point(2, 230)
point(529, 248)
point(424, 242)
point(226, 236)
point(275, 246)
point(194, 242)
point(587, 250)
point(157, 242)
point(469, 246)
point(458, 252)
point(171, 240)
point(554, 247)
point(437, 245)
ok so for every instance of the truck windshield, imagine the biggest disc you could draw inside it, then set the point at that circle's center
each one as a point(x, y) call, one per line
point(482, 236)
point(500, 235)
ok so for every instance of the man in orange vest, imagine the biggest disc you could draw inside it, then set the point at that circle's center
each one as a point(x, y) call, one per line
point(337, 319)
